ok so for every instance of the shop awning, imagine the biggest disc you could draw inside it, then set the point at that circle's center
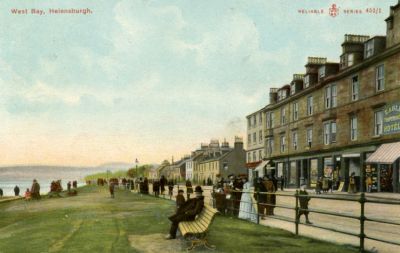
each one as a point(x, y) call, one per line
point(261, 165)
point(386, 154)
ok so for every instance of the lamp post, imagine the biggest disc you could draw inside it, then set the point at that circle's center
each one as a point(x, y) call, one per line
point(136, 162)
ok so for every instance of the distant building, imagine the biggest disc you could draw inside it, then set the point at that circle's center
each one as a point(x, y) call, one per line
point(223, 162)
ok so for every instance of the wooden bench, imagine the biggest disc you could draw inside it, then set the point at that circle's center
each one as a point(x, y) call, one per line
point(196, 231)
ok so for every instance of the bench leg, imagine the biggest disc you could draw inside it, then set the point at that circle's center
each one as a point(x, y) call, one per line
point(199, 242)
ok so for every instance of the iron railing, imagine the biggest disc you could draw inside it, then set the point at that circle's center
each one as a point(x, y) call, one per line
point(232, 208)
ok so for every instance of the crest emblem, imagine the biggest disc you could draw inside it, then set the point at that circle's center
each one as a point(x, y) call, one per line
point(333, 10)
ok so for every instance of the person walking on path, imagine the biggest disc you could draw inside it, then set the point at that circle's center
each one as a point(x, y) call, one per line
point(16, 190)
point(368, 182)
point(163, 182)
point(189, 189)
point(69, 186)
point(271, 198)
point(111, 188)
point(170, 188)
point(304, 199)
point(352, 183)
point(1, 193)
point(187, 212)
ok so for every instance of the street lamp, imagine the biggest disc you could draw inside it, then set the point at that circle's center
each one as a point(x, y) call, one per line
point(136, 162)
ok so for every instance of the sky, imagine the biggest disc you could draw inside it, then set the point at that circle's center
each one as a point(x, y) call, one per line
point(152, 79)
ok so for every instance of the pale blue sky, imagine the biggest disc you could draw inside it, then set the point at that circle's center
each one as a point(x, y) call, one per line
point(152, 79)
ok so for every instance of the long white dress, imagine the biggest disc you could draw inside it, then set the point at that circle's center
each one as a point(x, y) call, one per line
point(247, 210)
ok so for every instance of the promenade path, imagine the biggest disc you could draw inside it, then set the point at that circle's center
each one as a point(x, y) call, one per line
point(130, 222)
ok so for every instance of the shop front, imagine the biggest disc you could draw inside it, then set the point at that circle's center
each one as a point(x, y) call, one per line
point(383, 168)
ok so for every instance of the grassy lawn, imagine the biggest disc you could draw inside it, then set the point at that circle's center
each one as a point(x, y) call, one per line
point(93, 222)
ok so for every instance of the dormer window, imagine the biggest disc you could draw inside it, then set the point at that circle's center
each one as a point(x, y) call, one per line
point(321, 72)
point(292, 88)
point(306, 81)
point(369, 48)
point(350, 60)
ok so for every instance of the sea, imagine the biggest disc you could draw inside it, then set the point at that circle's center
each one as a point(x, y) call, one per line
point(23, 176)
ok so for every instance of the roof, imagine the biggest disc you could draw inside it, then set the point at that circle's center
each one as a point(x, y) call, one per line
point(386, 154)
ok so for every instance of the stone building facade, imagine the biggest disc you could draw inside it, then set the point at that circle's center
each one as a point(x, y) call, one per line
point(329, 121)
point(255, 137)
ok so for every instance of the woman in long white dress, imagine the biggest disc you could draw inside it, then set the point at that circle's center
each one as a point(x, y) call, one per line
point(247, 209)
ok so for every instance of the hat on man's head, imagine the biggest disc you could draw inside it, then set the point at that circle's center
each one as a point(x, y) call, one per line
point(198, 189)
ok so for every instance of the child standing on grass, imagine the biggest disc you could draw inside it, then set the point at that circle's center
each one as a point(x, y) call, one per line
point(180, 199)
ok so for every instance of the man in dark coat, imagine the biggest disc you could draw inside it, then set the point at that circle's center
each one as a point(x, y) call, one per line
point(35, 190)
point(163, 182)
point(69, 186)
point(186, 212)
point(262, 196)
point(1, 192)
point(237, 195)
point(16, 190)
point(170, 187)
point(304, 199)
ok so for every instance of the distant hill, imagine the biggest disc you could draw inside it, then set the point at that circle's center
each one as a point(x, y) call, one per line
point(116, 165)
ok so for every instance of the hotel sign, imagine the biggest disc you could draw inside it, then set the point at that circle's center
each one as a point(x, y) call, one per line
point(391, 119)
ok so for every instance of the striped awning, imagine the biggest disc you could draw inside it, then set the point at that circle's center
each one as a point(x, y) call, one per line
point(386, 154)
point(262, 165)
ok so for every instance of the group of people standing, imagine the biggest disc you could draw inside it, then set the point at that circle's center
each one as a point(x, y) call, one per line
point(236, 197)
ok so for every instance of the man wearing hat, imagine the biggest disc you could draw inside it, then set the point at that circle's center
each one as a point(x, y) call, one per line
point(187, 211)
point(304, 199)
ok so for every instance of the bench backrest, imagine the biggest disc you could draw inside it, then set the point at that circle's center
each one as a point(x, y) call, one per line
point(201, 223)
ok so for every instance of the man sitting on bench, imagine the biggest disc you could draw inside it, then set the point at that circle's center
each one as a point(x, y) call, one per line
point(187, 212)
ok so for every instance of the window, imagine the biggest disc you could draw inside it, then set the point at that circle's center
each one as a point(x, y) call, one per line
point(378, 123)
point(283, 116)
point(306, 81)
point(294, 140)
point(259, 154)
point(283, 142)
point(310, 105)
point(254, 137)
point(248, 123)
point(248, 157)
point(295, 111)
point(249, 138)
point(309, 137)
point(380, 78)
point(260, 136)
point(254, 120)
point(329, 132)
point(254, 156)
point(268, 119)
point(270, 146)
point(369, 48)
point(354, 88)
point(292, 88)
point(260, 118)
point(353, 128)
point(272, 119)
point(350, 60)
point(330, 96)
point(321, 72)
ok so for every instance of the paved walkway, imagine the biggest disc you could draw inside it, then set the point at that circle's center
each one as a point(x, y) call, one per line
point(7, 199)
